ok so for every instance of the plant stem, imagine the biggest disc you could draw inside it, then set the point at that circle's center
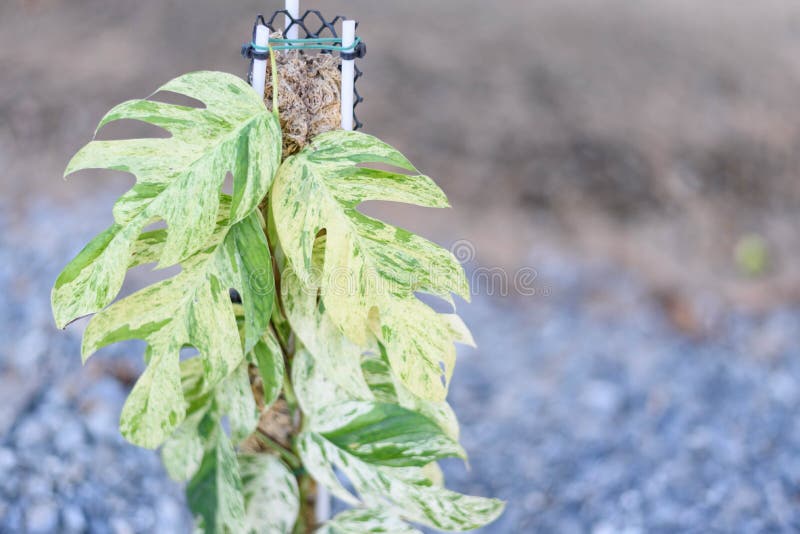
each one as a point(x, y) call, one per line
point(288, 393)
point(274, 69)
point(293, 461)
point(306, 519)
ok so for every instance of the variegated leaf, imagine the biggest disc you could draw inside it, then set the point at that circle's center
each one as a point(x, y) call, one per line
point(191, 309)
point(235, 400)
point(407, 490)
point(335, 355)
point(419, 345)
point(178, 181)
point(205, 407)
point(268, 357)
point(183, 452)
point(386, 388)
point(313, 387)
point(214, 493)
point(383, 434)
point(366, 521)
point(370, 269)
point(271, 497)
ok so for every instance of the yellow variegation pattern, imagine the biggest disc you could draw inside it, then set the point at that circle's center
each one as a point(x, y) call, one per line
point(361, 364)
point(178, 181)
point(215, 492)
point(407, 490)
point(183, 452)
point(191, 309)
point(387, 388)
point(370, 270)
point(384, 461)
point(337, 357)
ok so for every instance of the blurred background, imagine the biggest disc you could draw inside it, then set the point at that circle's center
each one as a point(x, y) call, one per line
point(625, 190)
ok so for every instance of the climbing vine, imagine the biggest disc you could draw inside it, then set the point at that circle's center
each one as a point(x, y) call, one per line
point(298, 305)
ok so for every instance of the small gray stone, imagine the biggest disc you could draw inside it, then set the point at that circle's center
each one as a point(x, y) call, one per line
point(73, 519)
point(30, 349)
point(9, 484)
point(7, 460)
point(31, 433)
point(783, 388)
point(102, 422)
point(143, 520)
point(604, 528)
point(121, 526)
point(37, 486)
point(69, 437)
point(41, 517)
point(11, 520)
point(602, 396)
point(630, 500)
point(534, 501)
point(170, 517)
point(16, 392)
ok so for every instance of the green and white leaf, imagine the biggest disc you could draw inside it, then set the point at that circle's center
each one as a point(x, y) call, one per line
point(434, 473)
point(335, 355)
point(205, 406)
point(268, 357)
point(178, 181)
point(315, 389)
point(387, 388)
point(383, 434)
point(419, 345)
point(214, 493)
point(183, 452)
point(235, 399)
point(371, 362)
point(406, 490)
point(191, 309)
point(366, 521)
point(271, 497)
point(371, 269)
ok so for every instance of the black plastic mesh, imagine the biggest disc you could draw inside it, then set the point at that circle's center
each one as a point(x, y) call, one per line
point(311, 25)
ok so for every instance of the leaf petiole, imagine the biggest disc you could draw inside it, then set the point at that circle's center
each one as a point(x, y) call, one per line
point(293, 461)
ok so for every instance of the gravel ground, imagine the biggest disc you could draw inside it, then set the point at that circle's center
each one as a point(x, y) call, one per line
point(589, 414)
point(63, 466)
point(584, 408)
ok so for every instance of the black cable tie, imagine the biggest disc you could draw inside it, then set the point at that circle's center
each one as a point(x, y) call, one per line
point(250, 53)
point(357, 53)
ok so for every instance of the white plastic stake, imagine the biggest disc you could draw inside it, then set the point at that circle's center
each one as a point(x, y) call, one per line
point(259, 74)
point(293, 7)
point(348, 75)
point(322, 506)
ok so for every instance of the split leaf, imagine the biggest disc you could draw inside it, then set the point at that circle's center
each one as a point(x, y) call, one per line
point(205, 407)
point(407, 490)
point(387, 388)
point(191, 309)
point(335, 355)
point(369, 267)
point(178, 181)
